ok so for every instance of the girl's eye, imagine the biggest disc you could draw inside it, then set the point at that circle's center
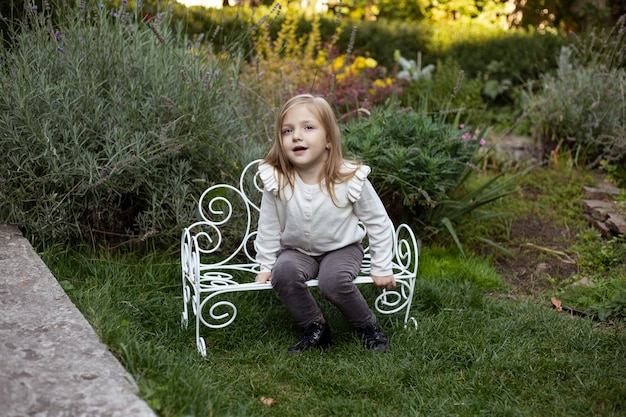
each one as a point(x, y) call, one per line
point(286, 131)
point(309, 127)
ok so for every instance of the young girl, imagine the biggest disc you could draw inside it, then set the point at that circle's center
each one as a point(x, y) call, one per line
point(308, 228)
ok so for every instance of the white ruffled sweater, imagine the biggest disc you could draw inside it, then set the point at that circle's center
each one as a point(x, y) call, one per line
point(307, 219)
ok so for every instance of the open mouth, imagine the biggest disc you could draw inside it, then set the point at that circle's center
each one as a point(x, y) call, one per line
point(299, 149)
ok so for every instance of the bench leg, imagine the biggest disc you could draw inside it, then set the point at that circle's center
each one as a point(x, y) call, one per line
point(200, 342)
point(184, 317)
point(397, 300)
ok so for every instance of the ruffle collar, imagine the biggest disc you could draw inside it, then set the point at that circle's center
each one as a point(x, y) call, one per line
point(356, 183)
point(269, 178)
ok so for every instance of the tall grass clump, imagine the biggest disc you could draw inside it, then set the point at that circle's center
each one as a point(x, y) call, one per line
point(110, 122)
point(583, 107)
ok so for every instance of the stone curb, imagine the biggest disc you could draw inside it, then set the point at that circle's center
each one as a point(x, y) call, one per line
point(600, 211)
point(52, 362)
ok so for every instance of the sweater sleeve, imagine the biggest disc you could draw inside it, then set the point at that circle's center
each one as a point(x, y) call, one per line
point(371, 211)
point(267, 242)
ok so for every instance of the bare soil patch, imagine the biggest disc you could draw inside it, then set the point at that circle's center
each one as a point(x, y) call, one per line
point(540, 259)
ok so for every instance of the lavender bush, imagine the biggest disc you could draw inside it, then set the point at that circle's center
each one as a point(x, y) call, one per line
point(582, 106)
point(109, 123)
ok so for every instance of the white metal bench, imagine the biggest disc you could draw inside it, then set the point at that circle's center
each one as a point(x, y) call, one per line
point(217, 257)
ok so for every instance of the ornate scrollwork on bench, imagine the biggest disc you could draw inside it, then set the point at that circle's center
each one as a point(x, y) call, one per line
point(217, 258)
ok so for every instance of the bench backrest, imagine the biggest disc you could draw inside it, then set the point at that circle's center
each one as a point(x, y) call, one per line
point(229, 218)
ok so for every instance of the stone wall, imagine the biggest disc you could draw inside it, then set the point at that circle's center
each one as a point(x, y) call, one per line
point(600, 209)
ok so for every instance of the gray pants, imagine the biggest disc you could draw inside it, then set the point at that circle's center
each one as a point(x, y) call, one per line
point(335, 271)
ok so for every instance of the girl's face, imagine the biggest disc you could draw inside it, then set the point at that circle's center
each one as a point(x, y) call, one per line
point(304, 139)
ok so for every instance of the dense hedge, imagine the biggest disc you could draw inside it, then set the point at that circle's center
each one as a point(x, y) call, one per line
point(522, 55)
point(112, 126)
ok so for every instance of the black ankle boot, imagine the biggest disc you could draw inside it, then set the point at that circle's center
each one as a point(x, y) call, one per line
point(373, 338)
point(317, 335)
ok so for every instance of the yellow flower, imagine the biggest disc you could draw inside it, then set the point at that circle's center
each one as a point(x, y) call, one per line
point(370, 63)
point(338, 62)
point(360, 63)
point(380, 83)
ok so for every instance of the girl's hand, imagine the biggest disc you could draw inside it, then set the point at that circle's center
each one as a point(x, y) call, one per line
point(388, 282)
point(263, 277)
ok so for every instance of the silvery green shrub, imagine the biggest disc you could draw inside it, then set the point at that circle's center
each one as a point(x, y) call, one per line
point(110, 125)
point(583, 105)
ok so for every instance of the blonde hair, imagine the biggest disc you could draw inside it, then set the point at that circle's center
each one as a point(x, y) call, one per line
point(277, 156)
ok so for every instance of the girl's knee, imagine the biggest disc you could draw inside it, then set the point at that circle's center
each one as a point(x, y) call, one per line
point(336, 286)
point(283, 270)
point(286, 274)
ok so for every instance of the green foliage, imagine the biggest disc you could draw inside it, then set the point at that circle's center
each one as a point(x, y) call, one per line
point(614, 172)
point(493, 60)
point(518, 56)
point(280, 65)
point(401, 9)
point(290, 64)
point(601, 283)
point(444, 91)
point(542, 14)
point(603, 256)
point(614, 308)
point(381, 38)
point(583, 104)
point(473, 44)
point(110, 125)
point(566, 14)
point(416, 161)
point(549, 198)
point(420, 167)
point(601, 48)
point(603, 264)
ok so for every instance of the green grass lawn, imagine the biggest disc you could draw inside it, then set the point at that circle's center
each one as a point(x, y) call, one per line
point(473, 352)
